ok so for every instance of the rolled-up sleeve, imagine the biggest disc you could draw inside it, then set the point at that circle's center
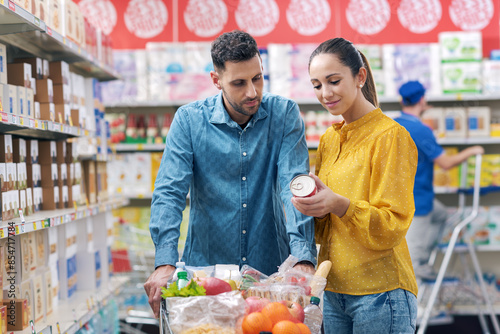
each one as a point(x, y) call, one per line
point(293, 160)
point(171, 188)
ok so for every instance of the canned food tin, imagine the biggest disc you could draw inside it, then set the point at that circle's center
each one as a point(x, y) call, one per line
point(303, 186)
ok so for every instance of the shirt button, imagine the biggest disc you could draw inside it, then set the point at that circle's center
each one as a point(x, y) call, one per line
point(244, 205)
point(244, 231)
point(244, 178)
point(239, 132)
point(244, 259)
point(244, 154)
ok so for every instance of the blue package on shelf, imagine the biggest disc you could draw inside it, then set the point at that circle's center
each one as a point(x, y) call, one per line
point(495, 54)
point(97, 269)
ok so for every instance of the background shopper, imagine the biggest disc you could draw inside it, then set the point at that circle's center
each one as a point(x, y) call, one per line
point(364, 205)
point(236, 153)
point(430, 214)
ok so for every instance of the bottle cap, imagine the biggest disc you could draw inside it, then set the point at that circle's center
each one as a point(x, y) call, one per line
point(180, 264)
point(315, 300)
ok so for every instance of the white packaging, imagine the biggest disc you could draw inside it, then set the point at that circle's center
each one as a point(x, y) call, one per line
point(479, 119)
point(373, 54)
point(30, 101)
point(36, 114)
point(455, 122)
point(4, 98)
point(13, 100)
point(29, 201)
point(491, 76)
point(461, 77)
point(460, 45)
point(3, 64)
point(21, 100)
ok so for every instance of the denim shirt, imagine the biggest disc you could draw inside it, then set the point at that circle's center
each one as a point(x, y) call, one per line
point(239, 184)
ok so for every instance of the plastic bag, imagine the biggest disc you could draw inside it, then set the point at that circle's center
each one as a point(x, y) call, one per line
point(201, 314)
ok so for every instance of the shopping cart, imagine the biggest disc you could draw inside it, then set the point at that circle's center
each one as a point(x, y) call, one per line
point(164, 325)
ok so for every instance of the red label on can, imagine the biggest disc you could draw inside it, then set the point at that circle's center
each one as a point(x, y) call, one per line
point(303, 186)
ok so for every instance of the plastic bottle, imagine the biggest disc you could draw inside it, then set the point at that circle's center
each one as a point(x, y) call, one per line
point(182, 279)
point(313, 316)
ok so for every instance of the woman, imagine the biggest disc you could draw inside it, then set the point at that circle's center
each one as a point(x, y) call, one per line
point(364, 202)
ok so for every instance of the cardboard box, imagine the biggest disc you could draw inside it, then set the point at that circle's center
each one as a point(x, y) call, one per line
point(461, 77)
point(30, 103)
point(41, 10)
point(47, 152)
point(15, 199)
point(62, 94)
point(62, 113)
point(37, 110)
point(44, 91)
point(36, 66)
point(22, 176)
point(460, 45)
point(39, 298)
point(29, 202)
point(50, 198)
point(37, 198)
point(47, 112)
point(2, 209)
point(6, 148)
point(19, 74)
point(22, 102)
point(63, 174)
point(67, 260)
point(479, 119)
point(11, 169)
point(22, 201)
point(75, 118)
point(19, 145)
point(64, 197)
point(34, 175)
point(3, 177)
point(89, 174)
point(33, 85)
point(3, 64)
point(32, 151)
point(69, 8)
point(26, 255)
point(24, 4)
point(59, 72)
point(46, 66)
point(13, 100)
point(28, 294)
point(4, 98)
point(56, 16)
point(42, 246)
point(50, 175)
point(20, 309)
point(61, 151)
point(455, 122)
point(47, 281)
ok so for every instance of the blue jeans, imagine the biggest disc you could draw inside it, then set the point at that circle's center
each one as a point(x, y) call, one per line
point(388, 312)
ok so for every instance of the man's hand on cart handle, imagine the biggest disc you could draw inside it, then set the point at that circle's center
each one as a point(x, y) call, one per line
point(153, 285)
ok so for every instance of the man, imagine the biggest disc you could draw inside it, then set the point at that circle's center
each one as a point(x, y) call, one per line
point(237, 153)
point(430, 214)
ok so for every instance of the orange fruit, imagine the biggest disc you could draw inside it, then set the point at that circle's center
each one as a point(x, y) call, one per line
point(286, 327)
point(256, 322)
point(303, 328)
point(276, 312)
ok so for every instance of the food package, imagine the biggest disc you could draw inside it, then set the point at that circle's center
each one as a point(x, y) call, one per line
point(205, 314)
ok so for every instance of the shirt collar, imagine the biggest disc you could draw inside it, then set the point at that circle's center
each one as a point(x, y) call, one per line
point(221, 116)
point(341, 128)
point(409, 116)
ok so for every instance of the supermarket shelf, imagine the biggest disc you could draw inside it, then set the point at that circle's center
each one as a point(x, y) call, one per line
point(471, 309)
point(469, 141)
point(462, 247)
point(28, 33)
point(430, 98)
point(35, 128)
point(138, 147)
point(46, 219)
point(148, 104)
point(71, 315)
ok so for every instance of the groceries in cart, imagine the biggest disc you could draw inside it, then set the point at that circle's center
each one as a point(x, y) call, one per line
point(225, 299)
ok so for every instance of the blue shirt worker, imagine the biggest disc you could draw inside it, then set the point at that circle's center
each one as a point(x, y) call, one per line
point(430, 214)
point(236, 153)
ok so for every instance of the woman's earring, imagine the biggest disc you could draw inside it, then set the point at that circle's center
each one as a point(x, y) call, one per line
point(360, 86)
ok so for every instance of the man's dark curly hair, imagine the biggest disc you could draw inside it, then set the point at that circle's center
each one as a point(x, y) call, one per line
point(233, 46)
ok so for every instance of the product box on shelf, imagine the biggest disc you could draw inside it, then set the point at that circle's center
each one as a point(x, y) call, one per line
point(64, 197)
point(63, 113)
point(39, 297)
point(13, 267)
point(15, 199)
point(7, 149)
point(34, 175)
point(461, 77)
point(20, 308)
point(22, 201)
point(50, 198)
point(455, 122)
point(49, 290)
point(47, 112)
point(4, 98)
point(61, 151)
point(22, 176)
point(36, 66)
point(30, 103)
point(26, 255)
point(21, 101)
point(37, 198)
point(11, 169)
point(19, 145)
point(479, 121)
point(19, 74)
point(50, 175)
point(42, 247)
point(67, 260)
point(63, 174)
point(36, 111)
point(32, 151)
point(3, 64)
point(62, 94)
point(89, 175)
point(56, 16)
point(47, 152)
point(42, 10)
point(33, 85)
point(13, 100)
point(3, 177)
point(3, 319)
point(28, 294)
point(44, 91)
point(59, 72)
point(27, 5)
point(5, 206)
point(460, 45)
point(29, 202)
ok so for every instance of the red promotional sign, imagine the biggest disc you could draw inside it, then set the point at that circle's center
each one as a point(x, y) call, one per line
point(415, 21)
point(131, 23)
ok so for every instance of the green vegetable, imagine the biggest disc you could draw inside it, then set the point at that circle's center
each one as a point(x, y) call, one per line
point(192, 289)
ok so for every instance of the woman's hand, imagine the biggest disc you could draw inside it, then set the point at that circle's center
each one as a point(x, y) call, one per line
point(325, 201)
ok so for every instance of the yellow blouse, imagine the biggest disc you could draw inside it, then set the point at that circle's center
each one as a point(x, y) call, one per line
point(372, 162)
